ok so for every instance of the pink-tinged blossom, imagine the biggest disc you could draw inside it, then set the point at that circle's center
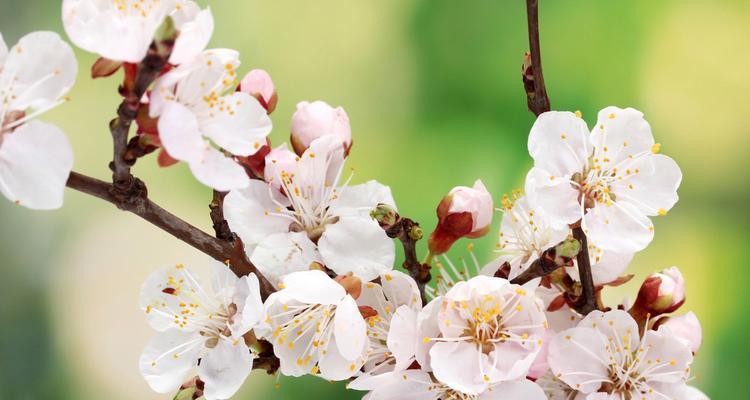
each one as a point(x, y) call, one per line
point(35, 157)
point(463, 212)
point(661, 293)
point(611, 178)
point(258, 83)
point(490, 331)
point(314, 120)
point(605, 357)
point(686, 328)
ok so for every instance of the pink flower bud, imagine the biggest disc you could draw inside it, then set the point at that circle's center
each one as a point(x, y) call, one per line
point(661, 293)
point(687, 329)
point(256, 163)
point(316, 119)
point(258, 83)
point(279, 161)
point(464, 212)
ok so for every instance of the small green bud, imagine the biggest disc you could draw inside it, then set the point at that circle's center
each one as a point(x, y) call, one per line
point(384, 214)
point(185, 394)
point(415, 233)
point(569, 248)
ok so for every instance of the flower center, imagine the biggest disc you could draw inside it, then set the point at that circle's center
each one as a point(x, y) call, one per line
point(127, 8)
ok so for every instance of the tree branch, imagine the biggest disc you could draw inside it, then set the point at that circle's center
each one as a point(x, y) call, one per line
point(536, 92)
point(221, 227)
point(538, 102)
point(587, 302)
point(408, 233)
point(231, 253)
point(550, 260)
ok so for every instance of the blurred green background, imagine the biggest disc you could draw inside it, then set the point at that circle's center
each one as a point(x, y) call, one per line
point(434, 94)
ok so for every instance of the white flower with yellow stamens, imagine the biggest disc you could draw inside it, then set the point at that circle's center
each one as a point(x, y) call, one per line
point(605, 357)
point(35, 157)
point(198, 108)
point(304, 213)
point(199, 330)
point(490, 332)
point(315, 327)
point(612, 179)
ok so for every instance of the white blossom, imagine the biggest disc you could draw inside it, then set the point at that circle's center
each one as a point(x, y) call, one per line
point(199, 330)
point(611, 179)
point(35, 157)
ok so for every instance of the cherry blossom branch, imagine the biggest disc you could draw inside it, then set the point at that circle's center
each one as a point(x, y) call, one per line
point(536, 92)
point(408, 233)
point(538, 102)
point(550, 260)
point(231, 253)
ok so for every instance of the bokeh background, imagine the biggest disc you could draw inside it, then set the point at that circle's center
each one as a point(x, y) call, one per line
point(435, 98)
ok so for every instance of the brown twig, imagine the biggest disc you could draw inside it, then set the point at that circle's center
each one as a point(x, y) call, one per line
point(550, 260)
point(538, 102)
point(221, 227)
point(408, 233)
point(231, 253)
point(536, 92)
point(587, 302)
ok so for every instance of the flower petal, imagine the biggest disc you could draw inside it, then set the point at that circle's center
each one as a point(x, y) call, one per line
point(361, 199)
point(357, 245)
point(350, 329)
point(554, 196)
point(520, 389)
point(40, 69)
point(239, 125)
point(283, 253)
point(250, 213)
point(335, 367)
point(427, 327)
point(194, 35)
point(312, 287)
point(652, 185)
point(402, 336)
point(619, 227)
point(249, 305)
point(455, 364)
point(559, 143)
point(669, 358)
point(179, 133)
point(3, 49)
point(224, 368)
point(400, 289)
point(620, 134)
point(167, 293)
point(169, 358)
point(218, 171)
point(35, 161)
point(578, 357)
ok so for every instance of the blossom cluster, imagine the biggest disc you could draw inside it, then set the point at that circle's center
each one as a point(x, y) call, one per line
point(338, 308)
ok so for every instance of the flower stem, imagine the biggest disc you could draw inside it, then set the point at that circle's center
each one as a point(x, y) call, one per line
point(587, 302)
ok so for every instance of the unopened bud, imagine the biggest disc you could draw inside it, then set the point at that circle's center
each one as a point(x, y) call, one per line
point(385, 215)
point(316, 119)
point(165, 36)
point(661, 293)
point(104, 67)
point(351, 284)
point(464, 212)
point(415, 233)
point(258, 83)
point(568, 249)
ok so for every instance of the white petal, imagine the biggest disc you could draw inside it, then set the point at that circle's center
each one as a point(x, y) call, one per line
point(169, 291)
point(357, 245)
point(400, 289)
point(670, 354)
point(559, 143)
point(40, 69)
point(606, 266)
point(334, 367)
point(250, 213)
point(554, 196)
point(218, 171)
point(455, 364)
point(99, 27)
point(169, 358)
point(402, 336)
point(361, 199)
point(427, 327)
point(249, 305)
point(3, 50)
point(520, 389)
point(193, 38)
point(313, 287)
point(223, 281)
point(619, 227)
point(179, 133)
point(686, 328)
point(620, 133)
point(241, 127)
point(405, 385)
point(350, 329)
point(653, 189)
point(616, 326)
point(35, 161)
point(283, 253)
point(224, 368)
point(578, 356)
